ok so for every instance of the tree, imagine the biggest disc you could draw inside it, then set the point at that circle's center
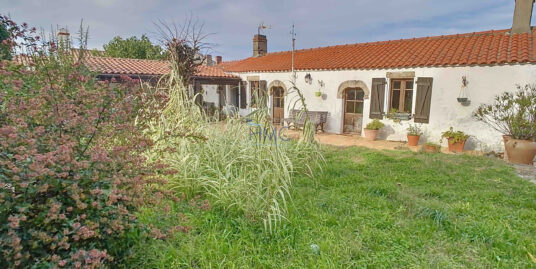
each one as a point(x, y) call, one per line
point(133, 47)
point(5, 50)
point(185, 45)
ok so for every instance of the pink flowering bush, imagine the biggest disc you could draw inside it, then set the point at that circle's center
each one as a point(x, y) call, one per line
point(72, 170)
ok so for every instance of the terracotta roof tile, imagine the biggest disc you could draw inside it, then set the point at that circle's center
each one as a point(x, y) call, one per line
point(123, 66)
point(479, 48)
point(136, 67)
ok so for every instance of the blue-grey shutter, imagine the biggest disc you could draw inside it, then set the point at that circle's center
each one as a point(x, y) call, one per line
point(424, 99)
point(377, 97)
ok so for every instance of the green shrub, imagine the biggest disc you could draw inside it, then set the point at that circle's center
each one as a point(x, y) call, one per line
point(375, 125)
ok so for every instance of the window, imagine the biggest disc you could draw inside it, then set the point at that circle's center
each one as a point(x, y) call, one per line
point(401, 95)
point(354, 100)
point(257, 93)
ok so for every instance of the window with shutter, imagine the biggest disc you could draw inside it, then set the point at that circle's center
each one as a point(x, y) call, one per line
point(377, 98)
point(424, 99)
point(243, 94)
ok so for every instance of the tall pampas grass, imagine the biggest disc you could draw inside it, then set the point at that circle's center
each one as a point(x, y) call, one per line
point(240, 165)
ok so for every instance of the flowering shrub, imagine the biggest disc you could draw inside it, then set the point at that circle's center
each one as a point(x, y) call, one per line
point(71, 161)
point(512, 113)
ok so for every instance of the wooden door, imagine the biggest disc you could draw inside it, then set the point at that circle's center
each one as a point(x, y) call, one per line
point(353, 110)
point(278, 105)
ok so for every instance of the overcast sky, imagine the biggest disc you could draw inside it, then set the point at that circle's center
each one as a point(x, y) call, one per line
point(234, 22)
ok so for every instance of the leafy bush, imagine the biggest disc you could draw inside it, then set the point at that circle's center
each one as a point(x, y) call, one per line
point(512, 113)
point(374, 125)
point(414, 129)
point(71, 163)
point(454, 136)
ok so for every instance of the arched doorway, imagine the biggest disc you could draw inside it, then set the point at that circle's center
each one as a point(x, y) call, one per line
point(353, 110)
point(278, 105)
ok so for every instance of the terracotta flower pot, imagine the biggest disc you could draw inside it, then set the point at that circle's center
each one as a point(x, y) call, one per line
point(520, 151)
point(456, 147)
point(370, 135)
point(413, 140)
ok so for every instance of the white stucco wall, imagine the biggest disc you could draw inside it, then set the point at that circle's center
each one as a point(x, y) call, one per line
point(210, 94)
point(484, 83)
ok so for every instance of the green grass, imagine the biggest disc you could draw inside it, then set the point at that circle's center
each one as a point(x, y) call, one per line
point(369, 209)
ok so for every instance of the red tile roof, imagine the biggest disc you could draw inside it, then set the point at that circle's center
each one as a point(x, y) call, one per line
point(123, 66)
point(482, 48)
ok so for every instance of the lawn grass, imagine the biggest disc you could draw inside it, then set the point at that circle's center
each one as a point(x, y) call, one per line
point(373, 209)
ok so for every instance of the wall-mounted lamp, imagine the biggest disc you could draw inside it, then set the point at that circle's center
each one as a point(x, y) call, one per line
point(308, 79)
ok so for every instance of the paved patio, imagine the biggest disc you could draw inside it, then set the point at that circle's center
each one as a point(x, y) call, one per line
point(348, 140)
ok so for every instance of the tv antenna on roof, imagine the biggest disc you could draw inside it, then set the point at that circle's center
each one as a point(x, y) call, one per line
point(293, 35)
point(263, 27)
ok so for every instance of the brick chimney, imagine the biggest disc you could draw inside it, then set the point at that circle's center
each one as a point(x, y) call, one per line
point(64, 38)
point(209, 61)
point(218, 60)
point(260, 45)
point(522, 16)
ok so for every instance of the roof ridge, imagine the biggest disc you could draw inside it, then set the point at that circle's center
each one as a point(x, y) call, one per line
point(470, 34)
point(128, 59)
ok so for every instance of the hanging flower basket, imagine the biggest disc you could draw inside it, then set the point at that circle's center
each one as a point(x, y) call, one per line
point(318, 94)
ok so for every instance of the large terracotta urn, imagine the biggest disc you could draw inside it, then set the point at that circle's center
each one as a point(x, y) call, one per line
point(505, 139)
point(520, 151)
point(370, 135)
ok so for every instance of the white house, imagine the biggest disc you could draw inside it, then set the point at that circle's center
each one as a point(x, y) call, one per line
point(421, 77)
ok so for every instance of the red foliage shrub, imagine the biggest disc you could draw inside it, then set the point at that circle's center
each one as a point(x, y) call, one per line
point(71, 162)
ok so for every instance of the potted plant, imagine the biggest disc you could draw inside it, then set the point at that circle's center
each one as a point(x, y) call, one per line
point(456, 139)
point(431, 147)
point(414, 134)
point(372, 129)
point(514, 115)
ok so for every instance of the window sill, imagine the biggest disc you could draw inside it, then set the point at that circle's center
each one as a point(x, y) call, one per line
point(399, 116)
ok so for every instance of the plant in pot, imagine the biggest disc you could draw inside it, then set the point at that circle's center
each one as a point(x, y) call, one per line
point(372, 129)
point(414, 134)
point(514, 115)
point(456, 139)
point(430, 147)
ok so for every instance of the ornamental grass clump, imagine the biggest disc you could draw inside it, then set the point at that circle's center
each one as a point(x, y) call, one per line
point(245, 168)
point(72, 167)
